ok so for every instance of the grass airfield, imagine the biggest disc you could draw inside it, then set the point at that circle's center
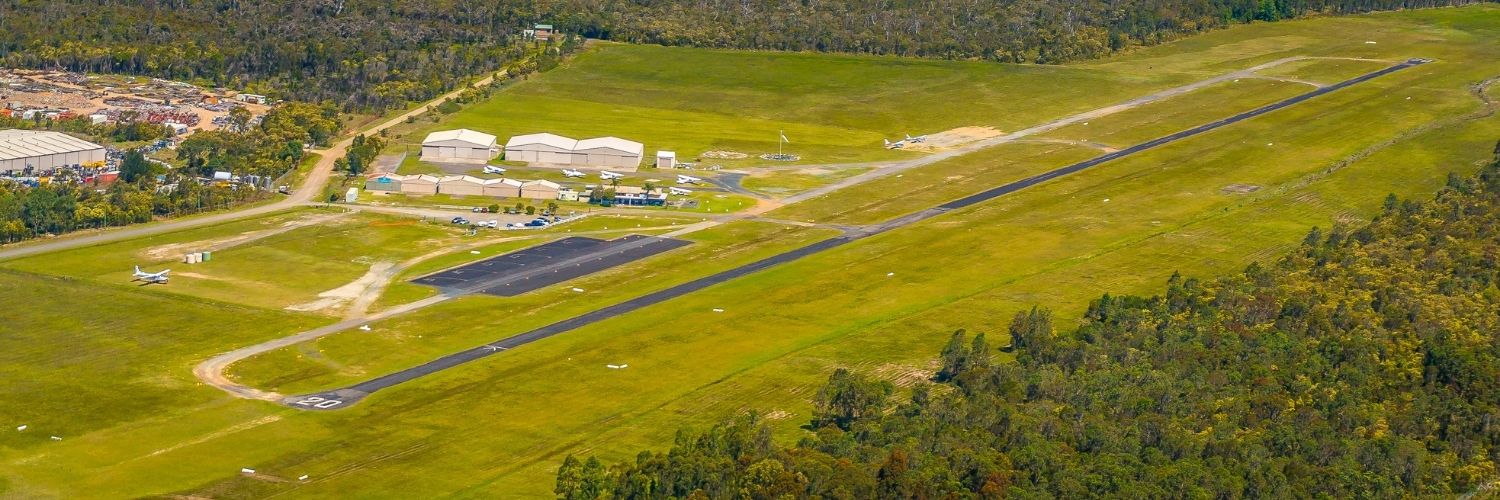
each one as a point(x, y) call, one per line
point(135, 422)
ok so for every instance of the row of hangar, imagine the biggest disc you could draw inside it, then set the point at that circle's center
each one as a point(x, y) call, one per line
point(465, 185)
point(464, 145)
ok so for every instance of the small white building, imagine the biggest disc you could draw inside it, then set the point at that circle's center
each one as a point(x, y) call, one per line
point(177, 128)
point(540, 148)
point(461, 145)
point(352, 195)
point(666, 159)
point(98, 118)
point(252, 98)
point(461, 185)
point(609, 152)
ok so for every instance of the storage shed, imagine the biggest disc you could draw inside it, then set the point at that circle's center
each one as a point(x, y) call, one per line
point(540, 148)
point(461, 145)
point(420, 184)
point(461, 185)
point(666, 159)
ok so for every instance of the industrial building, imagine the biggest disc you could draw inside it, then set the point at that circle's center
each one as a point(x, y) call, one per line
point(45, 150)
point(462, 145)
point(554, 149)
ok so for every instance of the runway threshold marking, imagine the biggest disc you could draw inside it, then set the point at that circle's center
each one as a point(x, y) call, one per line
point(356, 392)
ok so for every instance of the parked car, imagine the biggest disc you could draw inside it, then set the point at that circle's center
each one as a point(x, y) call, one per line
point(478, 209)
point(460, 220)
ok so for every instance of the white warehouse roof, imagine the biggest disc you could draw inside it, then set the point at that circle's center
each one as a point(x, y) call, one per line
point(17, 144)
point(614, 143)
point(545, 139)
point(465, 135)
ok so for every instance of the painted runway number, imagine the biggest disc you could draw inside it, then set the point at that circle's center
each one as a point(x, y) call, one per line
point(317, 402)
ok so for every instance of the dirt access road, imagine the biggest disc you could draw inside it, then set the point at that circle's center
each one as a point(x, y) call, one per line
point(311, 187)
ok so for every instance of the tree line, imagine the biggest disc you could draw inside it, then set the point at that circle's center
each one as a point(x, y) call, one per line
point(381, 54)
point(362, 56)
point(1364, 364)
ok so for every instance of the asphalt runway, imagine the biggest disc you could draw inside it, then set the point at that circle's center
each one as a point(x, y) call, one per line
point(545, 265)
point(343, 397)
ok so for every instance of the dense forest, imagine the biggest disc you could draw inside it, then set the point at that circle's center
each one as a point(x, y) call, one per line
point(1035, 31)
point(362, 55)
point(379, 54)
point(145, 190)
point(1364, 364)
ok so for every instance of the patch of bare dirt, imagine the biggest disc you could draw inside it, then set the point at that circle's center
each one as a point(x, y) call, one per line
point(953, 138)
point(338, 298)
point(1239, 189)
point(723, 155)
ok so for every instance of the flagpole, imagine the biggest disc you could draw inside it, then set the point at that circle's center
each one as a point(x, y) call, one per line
point(780, 139)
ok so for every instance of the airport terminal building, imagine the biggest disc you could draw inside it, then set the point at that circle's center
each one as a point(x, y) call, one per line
point(42, 150)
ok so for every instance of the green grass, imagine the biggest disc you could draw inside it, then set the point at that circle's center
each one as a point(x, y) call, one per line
point(394, 343)
point(1326, 72)
point(832, 108)
point(273, 268)
point(782, 182)
point(499, 427)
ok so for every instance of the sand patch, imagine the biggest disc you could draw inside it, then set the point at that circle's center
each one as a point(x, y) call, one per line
point(341, 297)
point(174, 251)
point(723, 155)
point(1239, 189)
point(953, 138)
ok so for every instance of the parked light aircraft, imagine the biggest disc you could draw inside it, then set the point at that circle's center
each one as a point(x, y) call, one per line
point(679, 191)
point(159, 277)
point(607, 175)
point(894, 145)
point(572, 173)
point(491, 169)
point(685, 179)
point(914, 140)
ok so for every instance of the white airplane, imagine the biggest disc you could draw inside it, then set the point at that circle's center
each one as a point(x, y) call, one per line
point(685, 179)
point(607, 175)
point(920, 138)
point(679, 191)
point(894, 145)
point(491, 169)
point(572, 173)
point(160, 277)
